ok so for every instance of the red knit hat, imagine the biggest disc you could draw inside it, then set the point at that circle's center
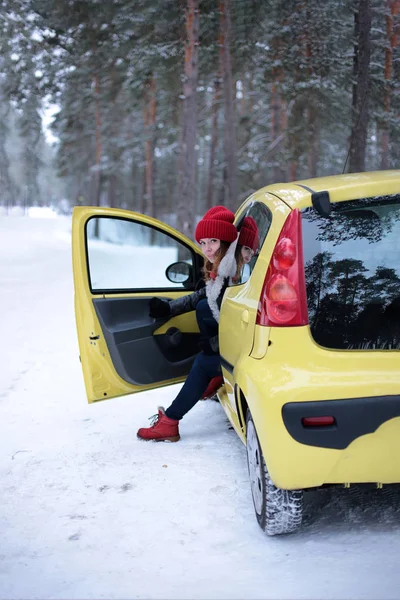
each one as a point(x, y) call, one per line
point(249, 234)
point(217, 223)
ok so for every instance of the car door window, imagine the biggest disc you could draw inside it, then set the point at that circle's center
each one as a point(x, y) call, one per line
point(124, 255)
point(257, 220)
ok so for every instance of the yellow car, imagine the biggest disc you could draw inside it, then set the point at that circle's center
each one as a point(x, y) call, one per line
point(309, 336)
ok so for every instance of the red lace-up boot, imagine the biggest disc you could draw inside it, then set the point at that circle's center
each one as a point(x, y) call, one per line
point(213, 387)
point(162, 428)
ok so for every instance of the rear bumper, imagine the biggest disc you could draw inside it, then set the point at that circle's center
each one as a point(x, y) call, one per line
point(354, 417)
point(297, 379)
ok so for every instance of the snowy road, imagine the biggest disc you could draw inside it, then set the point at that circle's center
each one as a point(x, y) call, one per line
point(88, 511)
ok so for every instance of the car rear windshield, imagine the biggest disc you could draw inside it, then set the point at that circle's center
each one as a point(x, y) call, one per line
point(352, 268)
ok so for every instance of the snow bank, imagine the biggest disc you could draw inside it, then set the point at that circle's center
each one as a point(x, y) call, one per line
point(35, 212)
point(41, 212)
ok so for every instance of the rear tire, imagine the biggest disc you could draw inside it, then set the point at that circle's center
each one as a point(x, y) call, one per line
point(278, 511)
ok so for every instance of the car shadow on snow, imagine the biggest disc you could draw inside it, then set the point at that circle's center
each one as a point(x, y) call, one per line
point(358, 507)
point(361, 507)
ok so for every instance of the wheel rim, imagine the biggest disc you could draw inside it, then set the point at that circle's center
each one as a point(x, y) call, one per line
point(255, 467)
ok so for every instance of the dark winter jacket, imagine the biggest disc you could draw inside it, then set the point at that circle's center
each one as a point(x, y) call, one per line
point(213, 290)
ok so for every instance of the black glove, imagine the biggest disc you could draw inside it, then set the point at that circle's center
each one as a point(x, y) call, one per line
point(159, 308)
point(205, 347)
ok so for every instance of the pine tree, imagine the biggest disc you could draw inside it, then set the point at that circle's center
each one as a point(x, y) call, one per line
point(186, 193)
point(361, 84)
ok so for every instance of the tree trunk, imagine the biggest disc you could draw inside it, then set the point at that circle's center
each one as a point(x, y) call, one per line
point(231, 196)
point(393, 8)
point(149, 125)
point(5, 179)
point(293, 170)
point(96, 189)
point(187, 172)
point(115, 190)
point(278, 113)
point(294, 138)
point(112, 189)
point(214, 139)
point(275, 110)
point(244, 98)
point(283, 132)
point(361, 83)
point(313, 142)
point(311, 111)
point(135, 187)
point(143, 198)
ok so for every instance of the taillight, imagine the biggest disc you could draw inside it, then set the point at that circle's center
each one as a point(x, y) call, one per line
point(283, 301)
point(285, 254)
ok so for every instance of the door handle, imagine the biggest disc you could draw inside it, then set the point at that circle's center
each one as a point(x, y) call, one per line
point(245, 316)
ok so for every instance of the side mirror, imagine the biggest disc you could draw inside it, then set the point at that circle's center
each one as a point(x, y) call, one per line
point(179, 272)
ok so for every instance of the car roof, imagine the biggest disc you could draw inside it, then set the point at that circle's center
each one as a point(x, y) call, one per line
point(297, 194)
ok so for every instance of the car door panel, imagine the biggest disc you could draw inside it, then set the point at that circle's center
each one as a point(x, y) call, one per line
point(122, 349)
point(238, 314)
point(139, 355)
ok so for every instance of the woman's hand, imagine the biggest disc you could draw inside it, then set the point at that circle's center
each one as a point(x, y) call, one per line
point(159, 308)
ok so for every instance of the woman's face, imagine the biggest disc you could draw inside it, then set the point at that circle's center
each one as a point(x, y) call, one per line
point(247, 254)
point(209, 247)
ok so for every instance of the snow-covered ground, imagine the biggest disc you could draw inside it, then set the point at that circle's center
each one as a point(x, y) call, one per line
point(88, 511)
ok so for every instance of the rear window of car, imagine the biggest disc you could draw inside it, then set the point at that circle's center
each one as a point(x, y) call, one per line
point(352, 269)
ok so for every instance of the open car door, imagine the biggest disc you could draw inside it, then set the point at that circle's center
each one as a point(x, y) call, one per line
point(121, 259)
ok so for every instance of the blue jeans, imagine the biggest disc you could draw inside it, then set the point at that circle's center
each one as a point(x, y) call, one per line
point(204, 368)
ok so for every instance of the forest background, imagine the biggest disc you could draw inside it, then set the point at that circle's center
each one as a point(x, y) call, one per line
point(168, 107)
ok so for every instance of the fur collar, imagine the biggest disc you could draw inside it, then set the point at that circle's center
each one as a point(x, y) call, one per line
point(226, 270)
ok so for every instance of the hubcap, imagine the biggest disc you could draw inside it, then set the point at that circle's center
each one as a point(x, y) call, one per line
point(255, 468)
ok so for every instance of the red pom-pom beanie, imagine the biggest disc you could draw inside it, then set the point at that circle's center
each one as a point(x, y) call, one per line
point(217, 223)
point(249, 234)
